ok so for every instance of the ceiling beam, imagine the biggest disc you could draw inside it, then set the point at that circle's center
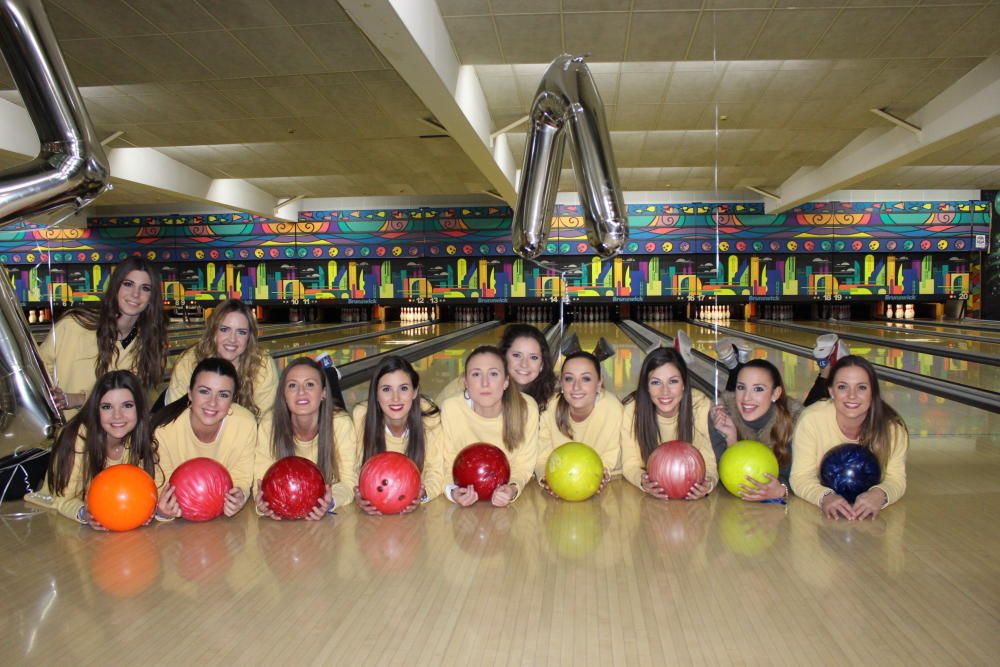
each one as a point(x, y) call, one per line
point(412, 37)
point(963, 109)
point(149, 168)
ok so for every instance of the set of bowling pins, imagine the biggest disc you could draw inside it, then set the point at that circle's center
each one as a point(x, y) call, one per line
point(533, 313)
point(591, 313)
point(656, 313)
point(354, 315)
point(472, 314)
point(303, 314)
point(771, 311)
point(712, 313)
point(40, 316)
point(413, 314)
point(835, 312)
point(902, 311)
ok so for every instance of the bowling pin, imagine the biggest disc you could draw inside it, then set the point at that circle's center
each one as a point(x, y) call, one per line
point(910, 311)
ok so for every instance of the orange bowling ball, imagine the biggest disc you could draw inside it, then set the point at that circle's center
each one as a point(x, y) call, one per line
point(122, 497)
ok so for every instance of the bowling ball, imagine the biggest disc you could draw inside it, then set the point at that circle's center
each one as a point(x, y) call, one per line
point(746, 457)
point(483, 466)
point(292, 486)
point(850, 470)
point(200, 486)
point(574, 471)
point(122, 497)
point(676, 466)
point(390, 481)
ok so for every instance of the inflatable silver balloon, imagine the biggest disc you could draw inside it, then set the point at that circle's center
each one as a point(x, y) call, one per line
point(567, 98)
point(71, 169)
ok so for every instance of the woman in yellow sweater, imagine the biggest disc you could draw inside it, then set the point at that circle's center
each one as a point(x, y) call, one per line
point(529, 362)
point(856, 413)
point(111, 428)
point(663, 408)
point(128, 332)
point(492, 410)
point(231, 334)
point(397, 418)
point(582, 412)
point(207, 423)
point(307, 421)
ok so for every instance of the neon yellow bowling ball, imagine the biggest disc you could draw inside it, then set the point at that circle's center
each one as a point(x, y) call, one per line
point(574, 471)
point(746, 457)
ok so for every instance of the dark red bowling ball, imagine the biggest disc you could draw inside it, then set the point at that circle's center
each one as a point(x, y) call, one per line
point(200, 486)
point(292, 487)
point(483, 466)
point(390, 481)
point(676, 466)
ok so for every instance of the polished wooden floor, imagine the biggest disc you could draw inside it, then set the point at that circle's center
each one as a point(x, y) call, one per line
point(618, 580)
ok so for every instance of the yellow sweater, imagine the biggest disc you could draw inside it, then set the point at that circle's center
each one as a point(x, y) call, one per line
point(817, 432)
point(632, 464)
point(599, 430)
point(432, 476)
point(345, 448)
point(72, 498)
point(265, 383)
point(69, 353)
point(463, 427)
point(233, 447)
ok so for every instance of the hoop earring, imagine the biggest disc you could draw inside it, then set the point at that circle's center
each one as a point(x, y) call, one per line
point(466, 394)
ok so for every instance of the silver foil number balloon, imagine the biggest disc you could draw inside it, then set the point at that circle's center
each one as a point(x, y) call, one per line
point(71, 169)
point(567, 98)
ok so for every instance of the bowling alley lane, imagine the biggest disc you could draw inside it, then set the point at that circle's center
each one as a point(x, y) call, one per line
point(925, 414)
point(356, 350)
point(986, 344)
point(437, 369)
point(621, 372)
point(944, 329)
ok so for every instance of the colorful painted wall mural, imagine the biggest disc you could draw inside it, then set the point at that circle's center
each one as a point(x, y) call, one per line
point(696, 251)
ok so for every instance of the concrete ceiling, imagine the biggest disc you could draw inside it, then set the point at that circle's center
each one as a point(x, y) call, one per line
point(324, 98)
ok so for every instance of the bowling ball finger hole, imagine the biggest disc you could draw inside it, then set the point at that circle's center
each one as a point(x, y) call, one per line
point(401, 496)
point(379, 489)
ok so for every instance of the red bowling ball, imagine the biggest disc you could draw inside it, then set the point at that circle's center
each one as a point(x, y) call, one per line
point(676, 466)
point(200, 486)
point(292, 487)
point(483, 466)
point(390, 481)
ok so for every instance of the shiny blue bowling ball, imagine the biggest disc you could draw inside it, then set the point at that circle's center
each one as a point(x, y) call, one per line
point(850, 470)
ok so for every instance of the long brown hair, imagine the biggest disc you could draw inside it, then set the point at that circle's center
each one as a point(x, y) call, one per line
point(876, 428)
point(374, 434)
point(151, 327)
point(644, 426)
point(250, 362)
point(543, 387)
point(514, 407)
point(563, 421)
point(282, 435)
point(139, 444)
point(781, 429)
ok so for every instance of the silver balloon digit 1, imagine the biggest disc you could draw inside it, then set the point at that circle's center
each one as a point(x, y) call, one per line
point(70, 170)
point(567, 98)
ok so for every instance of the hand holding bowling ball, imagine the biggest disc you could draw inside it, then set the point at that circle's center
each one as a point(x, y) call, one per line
point(851, 470)
point(293, 487)
point(390, 482)
point(676, 467)
point(199, 490)
point(747, 461)
point(481, 469)
point(121, 497)
point(574, 472)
